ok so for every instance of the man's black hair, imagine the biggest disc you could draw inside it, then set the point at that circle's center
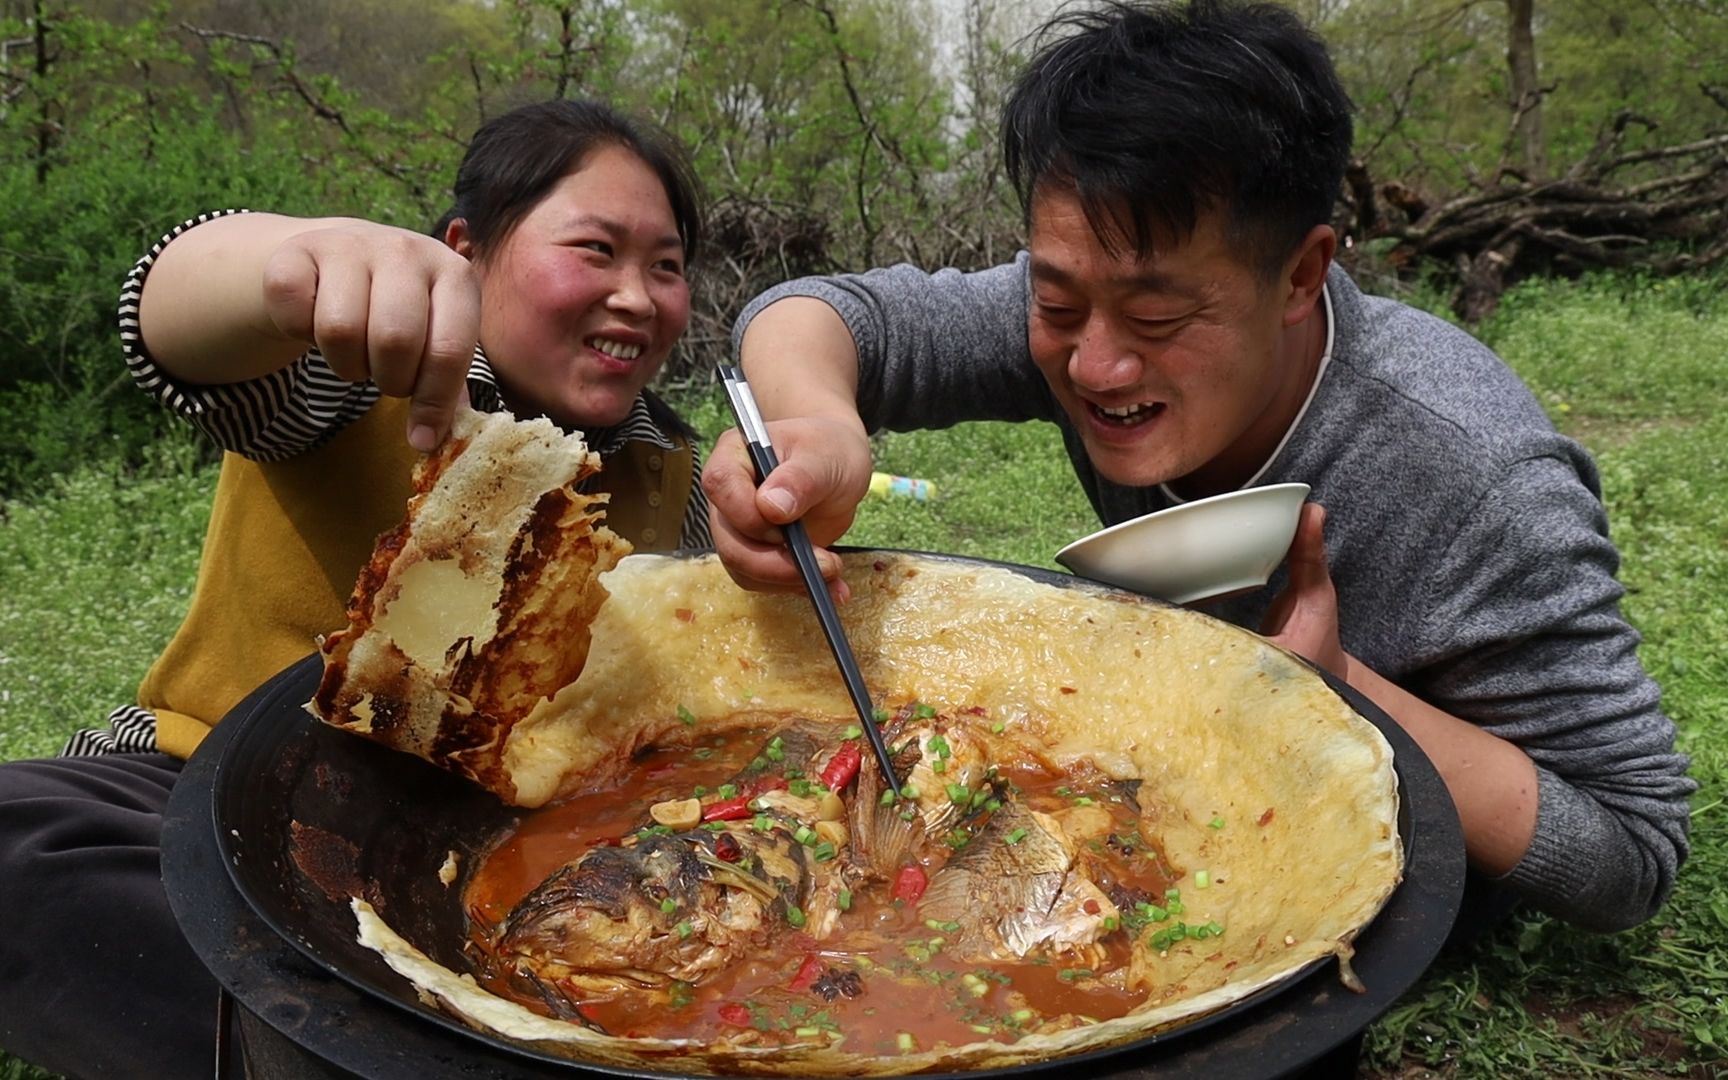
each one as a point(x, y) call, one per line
point(1155, 114)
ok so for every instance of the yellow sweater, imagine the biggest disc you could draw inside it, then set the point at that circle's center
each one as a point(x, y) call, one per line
point(287, 539)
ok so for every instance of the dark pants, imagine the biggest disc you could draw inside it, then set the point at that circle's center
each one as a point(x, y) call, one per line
point(95, 977)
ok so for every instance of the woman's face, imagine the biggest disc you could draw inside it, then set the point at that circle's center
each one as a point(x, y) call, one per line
point(583, 301)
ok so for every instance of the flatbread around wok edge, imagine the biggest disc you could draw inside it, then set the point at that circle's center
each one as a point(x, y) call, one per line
point(1216, 722)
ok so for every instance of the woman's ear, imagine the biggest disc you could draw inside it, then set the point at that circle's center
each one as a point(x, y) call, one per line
point(457, 239)
point(1305, 273)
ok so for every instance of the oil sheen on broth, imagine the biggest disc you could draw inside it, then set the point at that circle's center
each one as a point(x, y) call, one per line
point(764, 887)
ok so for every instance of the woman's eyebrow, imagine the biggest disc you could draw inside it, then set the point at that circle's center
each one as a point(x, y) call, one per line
point(615, 229)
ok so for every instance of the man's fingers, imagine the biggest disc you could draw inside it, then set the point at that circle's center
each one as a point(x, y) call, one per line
point(1307, 557)
point(730, 484)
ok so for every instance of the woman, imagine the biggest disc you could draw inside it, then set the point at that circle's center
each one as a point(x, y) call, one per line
point(323, 355)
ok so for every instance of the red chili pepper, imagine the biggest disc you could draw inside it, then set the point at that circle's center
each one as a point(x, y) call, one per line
point(909, 884)
point(843, 766)
point(727, 848)
point(728, 809)
point(808, 972)
point(734, 1013)
point(1091, 907)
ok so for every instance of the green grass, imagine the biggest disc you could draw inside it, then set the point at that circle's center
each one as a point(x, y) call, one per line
point(93, 577)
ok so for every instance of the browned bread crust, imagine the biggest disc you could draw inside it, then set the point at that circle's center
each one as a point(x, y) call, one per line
point(478, 606)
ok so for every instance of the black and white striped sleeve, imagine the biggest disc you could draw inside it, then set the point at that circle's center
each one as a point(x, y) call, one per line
point(270, 418)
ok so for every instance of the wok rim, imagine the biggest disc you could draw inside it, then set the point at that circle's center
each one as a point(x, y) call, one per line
point(286, 691)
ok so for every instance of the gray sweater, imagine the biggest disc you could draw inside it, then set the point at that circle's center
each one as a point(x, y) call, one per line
point(1466, 538)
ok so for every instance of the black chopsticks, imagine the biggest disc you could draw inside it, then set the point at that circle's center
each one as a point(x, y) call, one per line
point(762, 456)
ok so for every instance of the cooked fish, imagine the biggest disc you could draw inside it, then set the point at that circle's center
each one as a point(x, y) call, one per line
point(946, 777)
point(669, 905)
point(1014, 888)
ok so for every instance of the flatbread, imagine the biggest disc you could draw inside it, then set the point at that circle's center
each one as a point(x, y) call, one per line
point(477, 607)
point(1216, 722)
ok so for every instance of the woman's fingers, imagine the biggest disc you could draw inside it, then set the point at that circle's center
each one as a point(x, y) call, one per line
point(453, 327)
point(386, 305)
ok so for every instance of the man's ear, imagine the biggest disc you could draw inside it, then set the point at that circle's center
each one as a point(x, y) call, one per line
point(457, 239)
point(1305, 273)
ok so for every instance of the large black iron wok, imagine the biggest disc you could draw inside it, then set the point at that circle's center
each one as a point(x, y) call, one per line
point(278, 819)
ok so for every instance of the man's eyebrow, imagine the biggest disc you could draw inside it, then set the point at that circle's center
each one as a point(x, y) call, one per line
point(1144, 280)
point(613, 228)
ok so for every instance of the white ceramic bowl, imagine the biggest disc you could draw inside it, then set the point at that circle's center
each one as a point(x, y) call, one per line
point(1195, 551)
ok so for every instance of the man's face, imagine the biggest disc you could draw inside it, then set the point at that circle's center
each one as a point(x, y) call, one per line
point(1176, 366)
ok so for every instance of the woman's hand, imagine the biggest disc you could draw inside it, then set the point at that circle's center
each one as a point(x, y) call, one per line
point(384, 304)
point(1304, 617)
point(824, 473)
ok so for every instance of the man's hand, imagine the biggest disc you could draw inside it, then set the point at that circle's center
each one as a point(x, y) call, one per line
point(1304, 617)
point(824, 473)
point(384, 304)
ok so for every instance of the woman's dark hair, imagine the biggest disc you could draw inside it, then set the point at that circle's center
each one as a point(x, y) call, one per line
point(515, 159)
point(1153, 115)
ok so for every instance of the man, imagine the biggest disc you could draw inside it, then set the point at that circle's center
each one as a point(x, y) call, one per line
point(1179, 316)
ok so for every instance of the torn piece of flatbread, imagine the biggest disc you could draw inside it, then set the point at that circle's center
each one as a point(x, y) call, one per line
point(477, 607)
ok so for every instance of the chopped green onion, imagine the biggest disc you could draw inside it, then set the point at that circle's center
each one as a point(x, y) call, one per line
point(908, 814)
point(775, 753)
point(844, 900)
point(668, 905)
point(686, 717)
point(998, 727)
point(1016, 836)
point(684, 929)
point(938, 766)
point(992, 804)
point(959, 794)
point(1112, 923)
point(1020, 1016)
point(807, 1032)
point(1082, 800)
point(881, 715)
point(1216, 822)
point(727, 791)
point(982, 1029)
point(714, 826)
point(1215, 928)
point(1202, 879)
point(979, 797)
point(825, 851)
point(852, 732)
point(794, 916)
point(904, 1041)
point(1176, 907)
point(887, 798)
point(923, 712)
point(1172, 894)
point(1156, 913)
point(763, 823)
point(805, 835)
point(909, 791)
point(758, 763)
point(699, 790)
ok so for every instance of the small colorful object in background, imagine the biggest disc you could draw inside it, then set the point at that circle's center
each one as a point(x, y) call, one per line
point(885, 485)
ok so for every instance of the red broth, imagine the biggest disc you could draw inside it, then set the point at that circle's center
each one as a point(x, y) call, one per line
point(907, 988)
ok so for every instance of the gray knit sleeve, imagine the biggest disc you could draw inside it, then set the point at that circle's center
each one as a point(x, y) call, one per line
point(1529, 643)
point(933, 348)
